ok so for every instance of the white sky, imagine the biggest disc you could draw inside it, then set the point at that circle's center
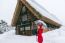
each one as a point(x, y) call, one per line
point(7, 9)
point(56, 7)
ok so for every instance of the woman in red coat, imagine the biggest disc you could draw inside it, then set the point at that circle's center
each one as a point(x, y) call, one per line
point(39, 33)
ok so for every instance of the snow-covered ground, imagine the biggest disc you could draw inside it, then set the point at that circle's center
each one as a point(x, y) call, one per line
point(55, 36)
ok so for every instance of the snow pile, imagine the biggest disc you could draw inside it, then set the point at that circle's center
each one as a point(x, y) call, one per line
point(55, 36)
point(10, 37)
point(6, 34)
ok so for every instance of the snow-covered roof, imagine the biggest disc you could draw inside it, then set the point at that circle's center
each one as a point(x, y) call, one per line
point(40, 8)
point(37, 10)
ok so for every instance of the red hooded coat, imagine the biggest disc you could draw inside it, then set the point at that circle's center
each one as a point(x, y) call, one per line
point(39, 33)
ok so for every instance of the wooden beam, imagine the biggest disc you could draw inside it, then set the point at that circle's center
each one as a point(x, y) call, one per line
point(16, 13)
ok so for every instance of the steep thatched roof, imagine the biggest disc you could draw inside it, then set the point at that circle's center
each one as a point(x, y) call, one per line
point(33, 11)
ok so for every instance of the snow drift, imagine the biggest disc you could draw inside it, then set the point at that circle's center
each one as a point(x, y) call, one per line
point(55, 36)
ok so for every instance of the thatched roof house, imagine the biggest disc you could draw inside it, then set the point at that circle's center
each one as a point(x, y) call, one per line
point(26, 13)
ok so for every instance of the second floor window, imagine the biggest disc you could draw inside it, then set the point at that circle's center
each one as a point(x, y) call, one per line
point(24, 17)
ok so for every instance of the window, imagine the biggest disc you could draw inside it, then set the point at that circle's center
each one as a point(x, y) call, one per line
point(23, 9)
point(24, 17)
point(22, 28)
point(27, 28)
